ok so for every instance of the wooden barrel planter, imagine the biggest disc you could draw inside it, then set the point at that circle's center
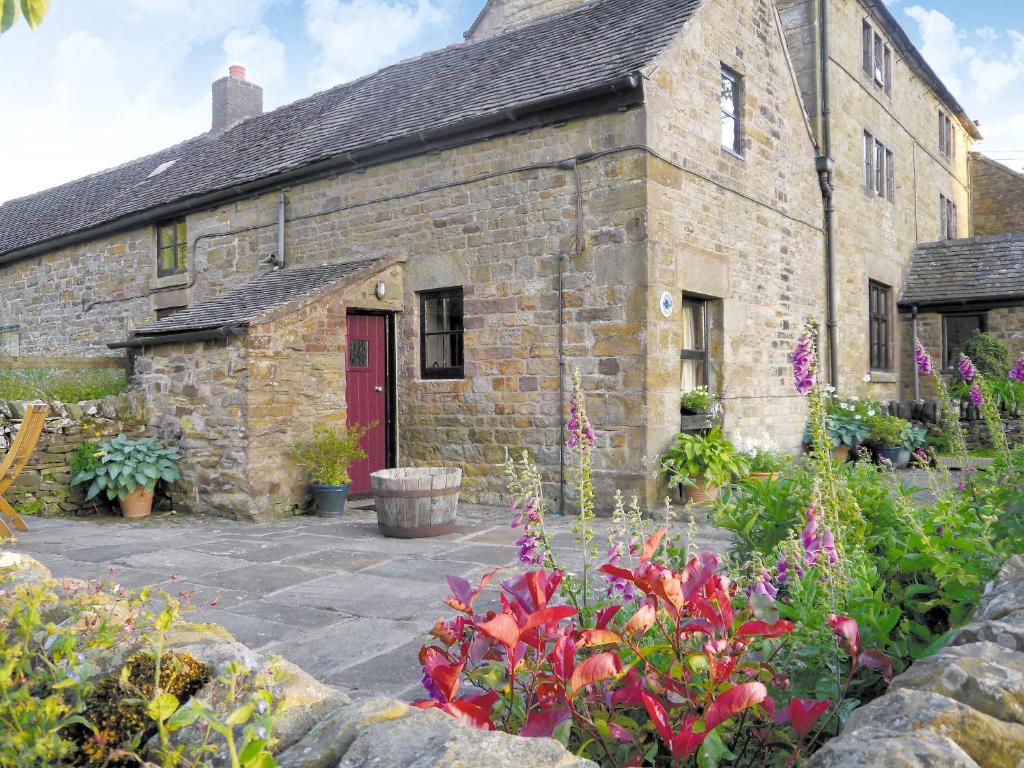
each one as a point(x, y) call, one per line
point(416, 501)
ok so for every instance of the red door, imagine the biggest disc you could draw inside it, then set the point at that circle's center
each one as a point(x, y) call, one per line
point(366, 392)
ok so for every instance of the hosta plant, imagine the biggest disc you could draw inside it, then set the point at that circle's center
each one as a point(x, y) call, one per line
point(709, 456)
point(126, 465)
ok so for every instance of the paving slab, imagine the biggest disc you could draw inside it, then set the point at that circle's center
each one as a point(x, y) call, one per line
point(257, 578)
point(252, 550)
point(186, 563)
point(395, 673)
point(295, 616)
point(356, 594)
point(337, 560)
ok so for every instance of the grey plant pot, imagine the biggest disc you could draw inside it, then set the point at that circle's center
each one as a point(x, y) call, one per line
point(892, 454)
point(329, 500)
point(904, 459)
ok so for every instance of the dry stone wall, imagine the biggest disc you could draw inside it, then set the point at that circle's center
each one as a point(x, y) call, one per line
point(44, 486)
point(997, 201)
point(964, 706)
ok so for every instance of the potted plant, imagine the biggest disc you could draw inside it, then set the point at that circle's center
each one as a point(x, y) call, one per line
point(699, 409)
point(702, 463)
point(766, 463)
point(128, 470)
point(885, 435)
point(326, 455)
point(846, 430)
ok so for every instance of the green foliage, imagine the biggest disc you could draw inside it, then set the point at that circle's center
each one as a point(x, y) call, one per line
point(886, 431)
point(33, 11)
point(990, 356)
point(913, 437)
point(768, 460)
point(328, 454)
point(710, 456)
point(86, 457)
point(846, 428)
point(126, 465)
point(62, 385)
point(699, 400)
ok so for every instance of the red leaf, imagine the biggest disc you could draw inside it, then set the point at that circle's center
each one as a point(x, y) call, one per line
point(764, 629)
point(464, 594)
point(731, 702)
point(651, 545)
point(605, 615)
point(471, 714)
point(603, 666)
point(642, 620)
point(444, 675)
point(619, 573)
point(697, 573)
point(686, 742)
point(591, 637)
point(877, 661)
point(846, 631)
point(621, 734)
point(544, 722)
point(551, 615)
point(502, 628)
point(804, 713)
point(659, 716)
point(563, 658)
point(533, 589)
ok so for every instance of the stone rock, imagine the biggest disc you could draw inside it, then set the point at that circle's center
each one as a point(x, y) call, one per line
point(326, 743)
point(989, 742)
point(1006, 593)
point(871, 747)
point(984, 676)
point(1007, 632)
point(432, 739)
point(17, 568)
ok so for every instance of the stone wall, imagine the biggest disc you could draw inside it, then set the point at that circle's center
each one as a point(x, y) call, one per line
point(997, 201)
point(501, 15)
point(44, 486)
point(743, 231)
point(962, 707)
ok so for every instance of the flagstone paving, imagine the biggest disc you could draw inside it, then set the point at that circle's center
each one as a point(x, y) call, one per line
point(344, 603)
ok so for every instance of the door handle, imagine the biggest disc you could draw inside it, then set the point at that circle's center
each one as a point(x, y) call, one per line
point(378, 389)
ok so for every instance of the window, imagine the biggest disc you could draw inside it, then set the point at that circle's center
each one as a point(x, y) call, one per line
point(888, 71)
point(441, 334)
point(171, 248)
point(868, 35)
point(869, 162)
point(956, 330)
point(730, 104)
point(947, 218)
point(879, 63)
point(695, 344)
point(890, 177)
point(10, 340)
point(879, 187)
point(947, 140)
point(880, 325)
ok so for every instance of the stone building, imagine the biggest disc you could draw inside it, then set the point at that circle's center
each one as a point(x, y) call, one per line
point(997, 199)
point(631, 189)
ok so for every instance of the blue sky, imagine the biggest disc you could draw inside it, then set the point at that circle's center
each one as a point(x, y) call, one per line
point(103, 81)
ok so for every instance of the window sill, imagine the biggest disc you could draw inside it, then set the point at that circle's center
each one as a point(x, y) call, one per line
point(732, 153)
point(883, 377)
point(168, 281)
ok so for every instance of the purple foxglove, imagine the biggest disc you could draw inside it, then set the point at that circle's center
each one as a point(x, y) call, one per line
point(922, 358)
point(966, 367)
point(1017, 372)
point(977, 399)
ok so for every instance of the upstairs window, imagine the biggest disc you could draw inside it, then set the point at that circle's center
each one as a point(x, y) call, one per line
point(947, 218)
point(876, 58)
point(880, 325)
point(869, 162)
point(730, 105)
point(879, 169)
point(878, 70)
point(441, 328)
point(879, 187)
point(887, 64)
point(946, 136)
point(866, 46)
point(10, 340)
point(171, 248)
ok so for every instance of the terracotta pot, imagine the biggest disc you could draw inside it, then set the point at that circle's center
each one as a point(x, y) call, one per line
point(701, 491)
point(841, 453)
point(763, 475)
point(138, 503)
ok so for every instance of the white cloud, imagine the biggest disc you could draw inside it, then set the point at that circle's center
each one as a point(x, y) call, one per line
point(262, 54)
point(942, 44)
point(356, 37)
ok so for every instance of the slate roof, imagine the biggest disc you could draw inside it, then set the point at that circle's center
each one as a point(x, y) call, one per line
point(242, 305)
point(462, 85)
point(975, 269)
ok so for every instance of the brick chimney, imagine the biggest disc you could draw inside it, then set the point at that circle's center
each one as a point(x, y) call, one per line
point(235, 99)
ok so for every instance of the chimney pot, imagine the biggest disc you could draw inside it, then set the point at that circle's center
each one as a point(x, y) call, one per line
point(235, 99)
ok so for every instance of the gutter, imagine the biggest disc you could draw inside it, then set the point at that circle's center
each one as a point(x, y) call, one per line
point(208, 334)
point(621, 92)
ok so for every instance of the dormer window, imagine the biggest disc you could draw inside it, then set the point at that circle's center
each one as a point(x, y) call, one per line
point(171, 248)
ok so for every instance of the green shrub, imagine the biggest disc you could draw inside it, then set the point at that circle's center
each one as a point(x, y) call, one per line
point(886, 431)
point(989, 355)
point(66, 386)
point(709, 456)
point(328, 454)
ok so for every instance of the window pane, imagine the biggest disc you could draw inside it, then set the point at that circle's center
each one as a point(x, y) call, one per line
point(358, 353)
point(166, 263)
point(433, 316)
point(728, 95)
point(694, 374)
point(694, 332)
point(182, 257)
point(890, 176)
point(878, 59)
point(442, 345)
point(879, 168)
point(866, 44)
point(888, 70)
point(166, 236)
point(868, 160)
point(453, 313)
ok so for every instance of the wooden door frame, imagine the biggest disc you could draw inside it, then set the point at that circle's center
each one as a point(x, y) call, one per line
point(390, 388)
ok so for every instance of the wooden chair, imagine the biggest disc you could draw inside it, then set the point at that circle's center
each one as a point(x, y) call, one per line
point(14, 462)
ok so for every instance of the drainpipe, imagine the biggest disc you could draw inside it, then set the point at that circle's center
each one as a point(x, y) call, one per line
point(913, 343)
point(279, 256)
point(824, 166)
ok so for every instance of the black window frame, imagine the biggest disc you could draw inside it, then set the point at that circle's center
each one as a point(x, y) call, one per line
point(880, 330)
point(700, 355)
point(736, 79)
point(448, 372)
point(178, 247)
point(949, 362)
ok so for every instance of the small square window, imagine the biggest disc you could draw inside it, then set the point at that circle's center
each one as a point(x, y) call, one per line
point(956, 330)
point(171, 248)
point(10, 340)
point(731, 92)
point(441, 334)
point(358, 353)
